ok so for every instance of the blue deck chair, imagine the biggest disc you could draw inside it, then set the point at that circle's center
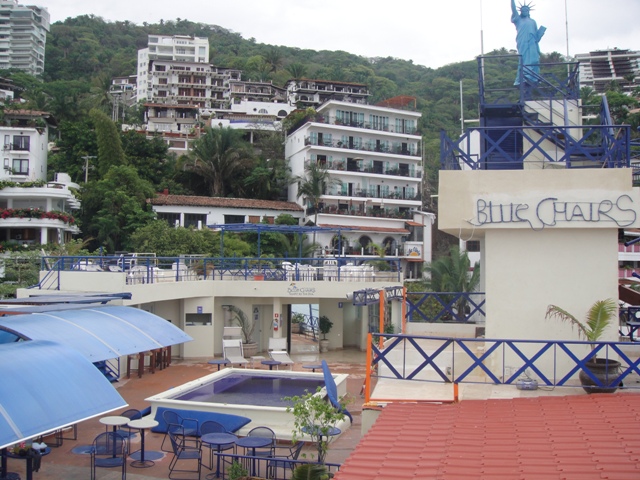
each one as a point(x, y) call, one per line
point(332, 390)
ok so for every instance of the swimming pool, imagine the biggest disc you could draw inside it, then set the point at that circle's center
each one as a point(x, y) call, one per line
point(218, 392)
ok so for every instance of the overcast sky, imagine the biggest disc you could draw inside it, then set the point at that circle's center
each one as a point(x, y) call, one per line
point(428, 32)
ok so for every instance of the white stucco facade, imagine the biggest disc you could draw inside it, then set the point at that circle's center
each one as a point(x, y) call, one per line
point(547, 236)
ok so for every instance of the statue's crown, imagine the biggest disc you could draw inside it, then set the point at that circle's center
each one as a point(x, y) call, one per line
point(528, 6)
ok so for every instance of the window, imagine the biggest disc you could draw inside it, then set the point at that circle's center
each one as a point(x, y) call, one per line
point(21, 166)
point(192, 219)
point(234, 219)
point(473, 246)
point(197, 319)
point(21, 142)
point(171, 218)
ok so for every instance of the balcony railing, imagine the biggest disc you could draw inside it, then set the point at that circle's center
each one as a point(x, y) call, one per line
point(366, 147)
point(152, 270)
point(448, 360)
point(575, 147)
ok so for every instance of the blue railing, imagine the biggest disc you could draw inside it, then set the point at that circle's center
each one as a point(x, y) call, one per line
point(498, 361)
point(151, 269)
point(553, 81)
point(445, 307)
point(588, 146)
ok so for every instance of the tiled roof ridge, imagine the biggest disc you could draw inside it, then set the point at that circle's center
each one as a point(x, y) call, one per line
point(226, 202)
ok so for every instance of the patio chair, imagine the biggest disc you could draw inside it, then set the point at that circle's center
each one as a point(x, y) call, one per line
point(278, 351)
point(109, 450)
point(264, 432)
point(211, 426)
point(232, 351)
point(284, 457)
point(186, 426)
point(128, 432)
point(184, 451)
point(332, 390)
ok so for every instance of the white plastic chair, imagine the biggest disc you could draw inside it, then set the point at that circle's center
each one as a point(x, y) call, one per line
point(278, 351)
point(232, 351)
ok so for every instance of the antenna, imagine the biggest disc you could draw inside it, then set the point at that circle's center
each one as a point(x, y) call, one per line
point(566, 20)
point(482, 31)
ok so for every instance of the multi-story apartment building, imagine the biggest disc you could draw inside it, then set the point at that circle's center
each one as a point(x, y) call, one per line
point(305, 92)
point(374, 157)
point(253, 107)
point(23, 35)
point(32, 210)
point(168, 48)
point(598, 69)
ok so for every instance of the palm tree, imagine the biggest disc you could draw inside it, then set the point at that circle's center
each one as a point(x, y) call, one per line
point(297, 70)
point(312, 186)
point(451, 274)
point(599, 317)
point(273, 58)
point(220, 156)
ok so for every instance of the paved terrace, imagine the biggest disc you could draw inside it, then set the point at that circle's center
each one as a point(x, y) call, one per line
point(62, 463)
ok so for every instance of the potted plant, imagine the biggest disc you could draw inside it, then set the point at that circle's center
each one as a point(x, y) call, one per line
point(247, 325)
point(315, 418)
point(599, 316)
point(324, 325)
point(310, 471)
point(297, 319)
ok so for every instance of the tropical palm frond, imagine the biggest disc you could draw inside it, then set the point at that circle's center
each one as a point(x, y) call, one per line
point(598, 318)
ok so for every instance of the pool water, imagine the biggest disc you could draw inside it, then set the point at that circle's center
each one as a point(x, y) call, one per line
point(242, 389)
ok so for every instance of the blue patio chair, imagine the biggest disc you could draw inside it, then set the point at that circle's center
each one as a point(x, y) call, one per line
point(283, 458)
point(265, 432)
point(332, 390)
point(211, 426)
point(184, 452)
point(128, 432)
point(189, 427)
point(109, 450)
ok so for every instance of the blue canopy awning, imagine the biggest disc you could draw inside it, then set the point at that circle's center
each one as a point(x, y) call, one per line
point(99, 333)
point(46, 386)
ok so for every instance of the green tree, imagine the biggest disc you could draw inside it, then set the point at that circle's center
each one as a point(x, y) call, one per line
point(312, 185)
point(110, 152)
point(296, 70)
point(115, 207)
point(21, 270)
point(168, 241)
point(221, 157)
point(452, 273)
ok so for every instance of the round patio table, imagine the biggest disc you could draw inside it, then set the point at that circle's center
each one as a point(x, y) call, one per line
point(114, 421)
point(219, 362)
point(142, 424)
point(271, 363)
point(218, 440)
point(251, 443)
point(313, 367)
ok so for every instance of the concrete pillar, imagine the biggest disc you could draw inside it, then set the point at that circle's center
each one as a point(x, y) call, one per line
point(277, 319)
point(43, 235)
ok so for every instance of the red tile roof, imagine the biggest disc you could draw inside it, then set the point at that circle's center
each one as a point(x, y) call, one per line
point(222, 202)
point(579, 437)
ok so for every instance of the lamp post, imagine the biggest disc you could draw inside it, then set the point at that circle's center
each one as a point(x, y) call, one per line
point(86, 166)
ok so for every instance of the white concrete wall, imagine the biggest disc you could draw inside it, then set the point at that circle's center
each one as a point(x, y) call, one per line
point(548, 237)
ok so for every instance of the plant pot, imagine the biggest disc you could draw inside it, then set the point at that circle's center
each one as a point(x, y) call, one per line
point(324, 346)
point(250, 349)
point(295, 328)
point(606, 371)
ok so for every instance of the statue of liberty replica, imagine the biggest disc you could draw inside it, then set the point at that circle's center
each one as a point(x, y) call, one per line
point(528, 39)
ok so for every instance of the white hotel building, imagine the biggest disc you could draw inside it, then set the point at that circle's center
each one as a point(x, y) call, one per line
point(375, 154)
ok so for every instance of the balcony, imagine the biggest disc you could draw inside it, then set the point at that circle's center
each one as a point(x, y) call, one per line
point(366, 146)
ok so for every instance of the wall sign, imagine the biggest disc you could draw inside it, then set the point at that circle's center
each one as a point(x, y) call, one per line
point(552, 212)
